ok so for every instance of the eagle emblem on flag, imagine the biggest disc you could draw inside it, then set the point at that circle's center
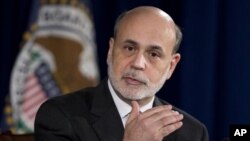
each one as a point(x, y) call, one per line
point(57, 57)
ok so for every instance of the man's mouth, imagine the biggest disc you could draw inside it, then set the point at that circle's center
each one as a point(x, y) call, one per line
point(133, 81)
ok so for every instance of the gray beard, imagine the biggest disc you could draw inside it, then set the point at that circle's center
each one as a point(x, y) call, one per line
point(134, 92)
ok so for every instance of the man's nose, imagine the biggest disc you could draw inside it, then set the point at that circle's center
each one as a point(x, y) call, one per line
point(139, 62)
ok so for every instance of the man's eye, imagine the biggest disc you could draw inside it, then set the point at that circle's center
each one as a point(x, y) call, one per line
point(129, 48)
point(154, 54)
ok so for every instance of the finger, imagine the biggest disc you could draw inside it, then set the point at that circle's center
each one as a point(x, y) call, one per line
point(170, 120)
point(170, 128)
point(134, 112)
point(164, 114)
point(155, 110)
point(158, 123)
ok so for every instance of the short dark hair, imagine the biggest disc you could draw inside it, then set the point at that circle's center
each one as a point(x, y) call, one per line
point(178, 37)
point(117, 22)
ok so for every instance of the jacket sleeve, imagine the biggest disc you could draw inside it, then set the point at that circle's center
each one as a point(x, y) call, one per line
point(52, 124)
point(205, 136)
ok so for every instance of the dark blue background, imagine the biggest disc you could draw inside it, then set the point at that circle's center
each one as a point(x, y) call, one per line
point(212, 81)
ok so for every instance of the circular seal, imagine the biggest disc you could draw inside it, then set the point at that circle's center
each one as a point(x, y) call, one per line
point(58, 58)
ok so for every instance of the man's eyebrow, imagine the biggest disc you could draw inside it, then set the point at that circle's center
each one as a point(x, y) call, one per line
point(150, 47)
point(156, 47)
point(130, 41)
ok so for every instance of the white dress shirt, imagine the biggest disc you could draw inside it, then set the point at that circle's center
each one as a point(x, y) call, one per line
point(124, 108)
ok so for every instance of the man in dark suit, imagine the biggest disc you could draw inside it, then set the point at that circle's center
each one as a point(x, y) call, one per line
point(123, 107)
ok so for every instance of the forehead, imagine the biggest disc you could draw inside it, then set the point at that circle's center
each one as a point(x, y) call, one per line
point(147, 30)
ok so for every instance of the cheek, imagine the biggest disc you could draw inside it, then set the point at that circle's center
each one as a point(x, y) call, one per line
point(119, 65)
point(157, 72)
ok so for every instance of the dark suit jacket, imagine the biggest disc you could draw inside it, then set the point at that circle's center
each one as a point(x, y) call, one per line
point(91, 115)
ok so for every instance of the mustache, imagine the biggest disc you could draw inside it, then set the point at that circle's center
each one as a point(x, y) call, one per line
point(134, 74)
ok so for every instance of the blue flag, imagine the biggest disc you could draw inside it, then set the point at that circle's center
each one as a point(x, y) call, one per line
point(58, 56)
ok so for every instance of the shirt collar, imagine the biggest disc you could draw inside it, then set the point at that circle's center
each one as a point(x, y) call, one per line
point(123, 107)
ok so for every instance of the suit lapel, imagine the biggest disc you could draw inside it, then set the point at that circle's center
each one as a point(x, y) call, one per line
point(157, 102)
point(106, 119)
point(109, 126)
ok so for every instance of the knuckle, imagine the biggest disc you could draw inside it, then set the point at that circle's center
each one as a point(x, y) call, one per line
point(140, 118)
point(167, 120)
point(144, 124)
point(156, 137)
point(172, 127)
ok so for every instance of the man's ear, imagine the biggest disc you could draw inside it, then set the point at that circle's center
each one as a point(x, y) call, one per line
point(110, 51)
point(173, 63)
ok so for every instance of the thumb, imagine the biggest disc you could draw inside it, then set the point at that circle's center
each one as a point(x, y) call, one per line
point(134, 112)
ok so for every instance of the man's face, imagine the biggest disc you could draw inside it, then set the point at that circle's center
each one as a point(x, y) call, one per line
point(140, 58)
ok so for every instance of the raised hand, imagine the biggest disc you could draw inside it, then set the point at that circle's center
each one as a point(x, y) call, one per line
point(151, 125)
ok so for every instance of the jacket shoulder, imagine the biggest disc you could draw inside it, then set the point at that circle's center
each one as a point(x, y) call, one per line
point(192, 129)
point(78, 103)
